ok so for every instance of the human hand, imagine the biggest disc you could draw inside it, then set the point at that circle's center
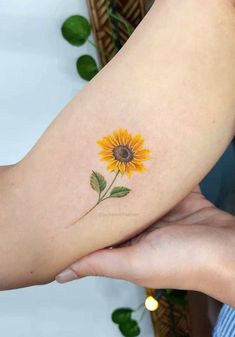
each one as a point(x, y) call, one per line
point(192, 248)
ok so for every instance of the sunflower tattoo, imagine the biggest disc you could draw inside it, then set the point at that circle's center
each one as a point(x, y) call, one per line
point(125, 154)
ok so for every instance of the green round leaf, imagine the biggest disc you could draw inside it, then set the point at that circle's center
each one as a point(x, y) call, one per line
point(76, 30)
point(87, 67)
point(121, 315)
point(130, 328)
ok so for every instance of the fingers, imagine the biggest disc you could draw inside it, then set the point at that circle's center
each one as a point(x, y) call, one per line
point(163, 259)
point(114, 263)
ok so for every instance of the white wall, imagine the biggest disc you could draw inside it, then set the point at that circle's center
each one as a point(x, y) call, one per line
point(37, 78)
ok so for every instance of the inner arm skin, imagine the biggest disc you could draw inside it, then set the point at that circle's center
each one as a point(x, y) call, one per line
point(173, 83)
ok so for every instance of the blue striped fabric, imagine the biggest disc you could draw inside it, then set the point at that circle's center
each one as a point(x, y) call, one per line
point(225, 326)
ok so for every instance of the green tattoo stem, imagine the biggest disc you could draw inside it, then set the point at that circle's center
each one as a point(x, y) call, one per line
point(101, 198)
point(108, 189)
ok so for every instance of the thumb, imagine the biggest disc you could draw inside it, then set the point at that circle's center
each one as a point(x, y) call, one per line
point(115, 263)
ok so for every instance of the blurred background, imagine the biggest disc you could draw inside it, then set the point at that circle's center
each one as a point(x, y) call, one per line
point(38, 78)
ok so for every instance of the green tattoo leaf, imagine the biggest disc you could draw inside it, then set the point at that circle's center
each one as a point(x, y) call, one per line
point(121, 315)
point(130, 328)
point(97, 182)
point(76, 30)
point(119, 192)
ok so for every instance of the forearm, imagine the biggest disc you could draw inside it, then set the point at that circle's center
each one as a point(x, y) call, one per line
point(173, 82)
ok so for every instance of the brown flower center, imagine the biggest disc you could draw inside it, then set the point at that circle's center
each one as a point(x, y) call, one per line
point(123, 153)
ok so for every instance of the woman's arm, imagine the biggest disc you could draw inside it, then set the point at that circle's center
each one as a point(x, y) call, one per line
point(173, 83)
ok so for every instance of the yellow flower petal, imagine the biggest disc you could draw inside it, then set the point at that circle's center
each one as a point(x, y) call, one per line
point(136, 142)
point(124, 152)
point(113, 166)
point(143, 154)
point(122, 167)
point(112, 141)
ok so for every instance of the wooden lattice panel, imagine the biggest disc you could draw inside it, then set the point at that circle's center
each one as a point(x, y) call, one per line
point(170, 321)
point(111, 34)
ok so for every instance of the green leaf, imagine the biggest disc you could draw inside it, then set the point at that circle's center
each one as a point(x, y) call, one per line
point(119, 192)
point(130, 29)
point(177, 297)
point(179, 301)
point(76, 30)
point(121, 315)
point(130, 328)
point(87, 67)
point(97, 182)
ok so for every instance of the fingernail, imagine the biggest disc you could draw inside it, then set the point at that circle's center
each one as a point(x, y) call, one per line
point(66, 276)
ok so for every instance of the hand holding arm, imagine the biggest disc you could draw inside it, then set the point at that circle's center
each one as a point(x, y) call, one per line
point(192, 247)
